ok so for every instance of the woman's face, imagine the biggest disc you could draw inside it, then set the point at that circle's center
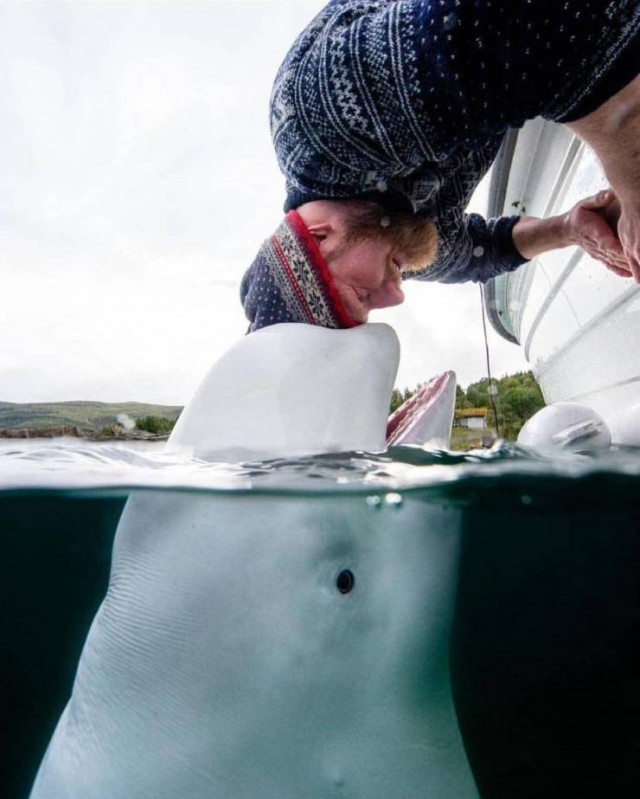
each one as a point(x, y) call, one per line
point(367, 275)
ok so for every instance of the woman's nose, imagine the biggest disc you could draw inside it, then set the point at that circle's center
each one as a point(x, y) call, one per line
point(396, 294)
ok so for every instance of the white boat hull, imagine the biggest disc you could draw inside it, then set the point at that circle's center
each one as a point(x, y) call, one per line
point(577, 322)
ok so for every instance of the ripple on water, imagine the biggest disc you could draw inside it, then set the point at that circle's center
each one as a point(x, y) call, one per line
point(71, 465)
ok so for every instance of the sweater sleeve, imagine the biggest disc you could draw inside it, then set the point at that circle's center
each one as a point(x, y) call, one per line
point(475, 250)
point(469, 246)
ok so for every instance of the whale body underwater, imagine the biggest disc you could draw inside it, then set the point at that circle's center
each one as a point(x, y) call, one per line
point(273, 645)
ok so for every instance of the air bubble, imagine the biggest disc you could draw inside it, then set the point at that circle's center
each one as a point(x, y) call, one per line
point(393, 500)
point(373, 502)
point(526, 499)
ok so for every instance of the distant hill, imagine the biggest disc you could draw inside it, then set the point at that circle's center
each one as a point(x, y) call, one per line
point(83, 415)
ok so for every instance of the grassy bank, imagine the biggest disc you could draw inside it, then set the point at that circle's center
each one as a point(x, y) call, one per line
point(462, 438)
point(96, 420)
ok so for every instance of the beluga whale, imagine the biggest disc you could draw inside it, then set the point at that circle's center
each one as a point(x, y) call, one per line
point(264, 645)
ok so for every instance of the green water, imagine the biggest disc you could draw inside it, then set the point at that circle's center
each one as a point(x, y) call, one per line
point(56, 554)
point(544, 650)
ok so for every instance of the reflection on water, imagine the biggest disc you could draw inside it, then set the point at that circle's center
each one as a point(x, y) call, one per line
point(136, 445)
point(69, 464)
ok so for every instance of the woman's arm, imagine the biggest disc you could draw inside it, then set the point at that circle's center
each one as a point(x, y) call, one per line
point(590, 224)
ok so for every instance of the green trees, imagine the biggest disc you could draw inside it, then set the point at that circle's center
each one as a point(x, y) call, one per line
point(477, 394)
point(158, 425)
point(517, 397)
point(462, 401)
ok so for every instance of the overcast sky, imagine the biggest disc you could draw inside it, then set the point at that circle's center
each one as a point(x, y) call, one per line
point(137, 182)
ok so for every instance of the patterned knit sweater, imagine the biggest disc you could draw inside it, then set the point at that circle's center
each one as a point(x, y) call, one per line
point(407, 103)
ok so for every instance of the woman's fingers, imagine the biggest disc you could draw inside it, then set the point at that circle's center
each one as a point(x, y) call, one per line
point(629, 233)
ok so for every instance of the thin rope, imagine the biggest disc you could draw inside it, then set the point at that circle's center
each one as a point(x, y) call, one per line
point(486, 349)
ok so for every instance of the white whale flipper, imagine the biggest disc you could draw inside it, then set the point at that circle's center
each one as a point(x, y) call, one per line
point(265, 646)
point(291, 390)
point(426, 418)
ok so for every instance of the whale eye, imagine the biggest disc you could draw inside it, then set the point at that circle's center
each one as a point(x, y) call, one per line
point(345, 581)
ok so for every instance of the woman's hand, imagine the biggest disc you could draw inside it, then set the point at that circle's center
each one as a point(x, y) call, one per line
point(591, 224)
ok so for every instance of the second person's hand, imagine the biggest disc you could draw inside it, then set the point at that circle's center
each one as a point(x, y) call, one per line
point(592, 224)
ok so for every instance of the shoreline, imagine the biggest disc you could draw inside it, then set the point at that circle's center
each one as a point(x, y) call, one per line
point(25, 433)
